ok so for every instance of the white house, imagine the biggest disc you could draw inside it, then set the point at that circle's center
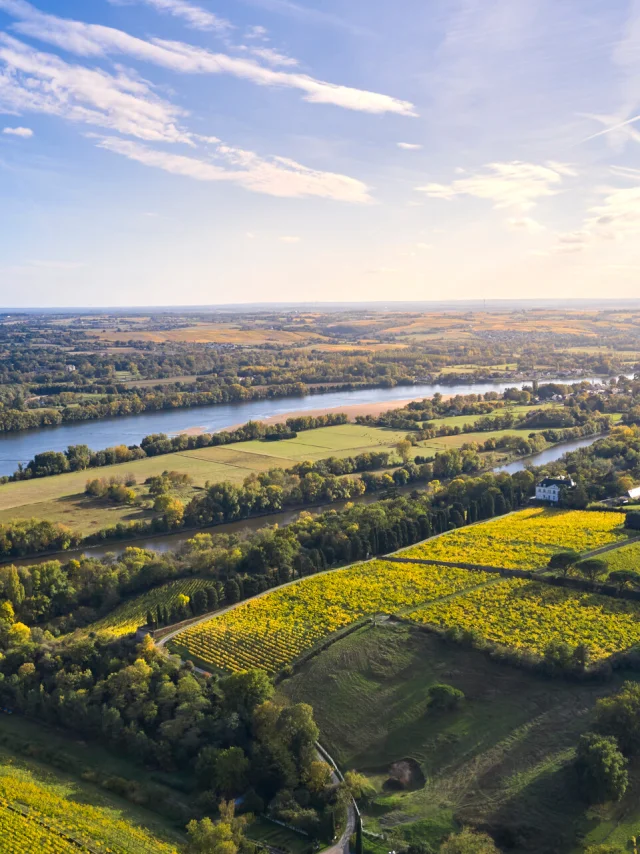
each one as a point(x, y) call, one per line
point(634, 493)
point(549, 489)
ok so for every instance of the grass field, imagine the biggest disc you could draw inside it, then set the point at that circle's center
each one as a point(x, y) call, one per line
point(501, 762)
point(525, 539)
point(271, 631)
point(626, 557)
point(61, 498)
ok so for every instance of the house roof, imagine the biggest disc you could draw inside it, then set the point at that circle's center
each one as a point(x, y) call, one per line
point(556, 481)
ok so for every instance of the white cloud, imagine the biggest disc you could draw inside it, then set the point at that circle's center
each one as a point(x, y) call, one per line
point(194, 16)
point(274, 57)
point(35, 82)
point(424, 245)
point(256, 32)
point(515, 185)
point(288, 238)
point(25, 133)
point(99, 41)
point(277, 176)
point(525, 223)
point(409, 146)
point(56, 265)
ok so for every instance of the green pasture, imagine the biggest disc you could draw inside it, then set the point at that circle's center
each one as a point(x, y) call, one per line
point(502, 761)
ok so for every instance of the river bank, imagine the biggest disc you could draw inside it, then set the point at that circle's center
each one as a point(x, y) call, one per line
point(21, 447)
point(170, 542)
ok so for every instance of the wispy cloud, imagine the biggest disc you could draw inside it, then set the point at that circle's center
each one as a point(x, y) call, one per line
point(289, 238)
point(514, 185)
point(277, 176)
point(409, 146)
point(93, 40)
point(273, 57)
point(308, 15)
point(194, 16)
point(525, 223)
point(36, 82)
point(25, 133)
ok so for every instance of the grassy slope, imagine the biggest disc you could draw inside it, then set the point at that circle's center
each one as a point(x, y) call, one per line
point(501, 762)
point(62, 794)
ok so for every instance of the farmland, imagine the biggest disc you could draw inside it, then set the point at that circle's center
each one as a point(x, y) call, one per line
point(55, 817)
point(624, 558)
point(129, 616)
point(530, 615)
point(271, 631)
point(524, 540)
point(61, 498)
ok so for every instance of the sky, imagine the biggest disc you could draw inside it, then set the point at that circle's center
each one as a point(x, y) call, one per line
point(200, 152)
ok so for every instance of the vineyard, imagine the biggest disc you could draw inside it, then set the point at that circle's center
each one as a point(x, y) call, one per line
point(524, 540)
point(37, 816)
point(624, 558)
point(529, 615)
point(128, 617)
point(273, 630)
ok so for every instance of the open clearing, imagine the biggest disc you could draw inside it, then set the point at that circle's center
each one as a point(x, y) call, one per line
point(501, 762)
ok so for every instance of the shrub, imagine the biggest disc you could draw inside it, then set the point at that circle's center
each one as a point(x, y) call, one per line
point(444, 697)
point(602, 769)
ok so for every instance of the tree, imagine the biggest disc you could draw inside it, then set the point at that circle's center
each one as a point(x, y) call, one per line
point(469, 842)
point(563, 561)
point(633, 520)
point(592, 568)
point(244, 691)
point(602, 769)
point(404, 450)
point(359, 787)
point(619, 716)
point(231, 769)
point(205, 837)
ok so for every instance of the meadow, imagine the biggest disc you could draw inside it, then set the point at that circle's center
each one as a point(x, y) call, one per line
point(271, 631)
point(61, 498)
point(529, 615)
point(502, 760)
point(524, 540)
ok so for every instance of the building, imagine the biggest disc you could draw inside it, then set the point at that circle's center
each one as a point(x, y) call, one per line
point(551, 488)
point(634, 493)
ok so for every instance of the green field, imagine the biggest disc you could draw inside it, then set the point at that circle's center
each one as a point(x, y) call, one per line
point(501, 762)
point(626, 557)
point(61, 498)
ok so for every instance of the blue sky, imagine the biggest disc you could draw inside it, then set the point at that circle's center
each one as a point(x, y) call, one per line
point(196, 152)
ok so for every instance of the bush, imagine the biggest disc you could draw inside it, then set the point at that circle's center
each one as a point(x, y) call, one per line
point(444, 697)
point(602, 769)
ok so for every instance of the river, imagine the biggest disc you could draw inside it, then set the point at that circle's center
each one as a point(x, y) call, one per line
point(22, 446)
point(171, 542)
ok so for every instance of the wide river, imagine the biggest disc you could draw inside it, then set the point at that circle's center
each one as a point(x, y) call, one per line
point(22, 446)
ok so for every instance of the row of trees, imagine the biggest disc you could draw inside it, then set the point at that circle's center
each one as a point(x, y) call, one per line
point(64, 595)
